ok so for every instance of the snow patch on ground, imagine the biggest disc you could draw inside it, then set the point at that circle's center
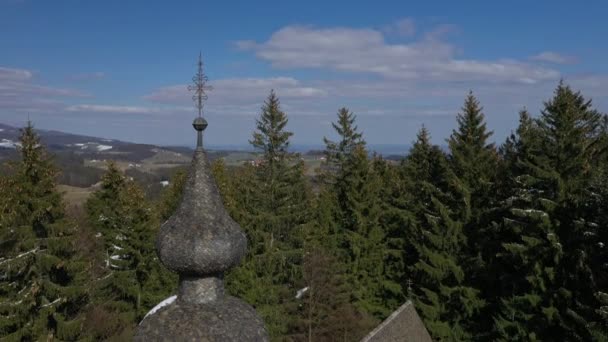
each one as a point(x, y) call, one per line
point(93, 146)
point(301, 292)
point(167, 301)
point(103, 147)
point(7, 143)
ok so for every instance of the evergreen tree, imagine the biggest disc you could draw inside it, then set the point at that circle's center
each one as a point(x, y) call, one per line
point(362, 220)
point(171, 196)
point(41, 277)
point(274, 205)
point(474, 161)
point(515, 149)
point(472, 158)
point(336, 153)
point(223, 178)
point(598, 205)
point(134, 281)
point(364, 237)
point(551, 232)
point(398, 223)
point(445, 303)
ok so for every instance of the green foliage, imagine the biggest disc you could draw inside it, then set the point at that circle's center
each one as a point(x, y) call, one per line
point(445, 303)
point(171, 196)
point(550, 232)
point(337, 153)
point(134, 280)
point(273, 206)
point(472, 157)
point(505, 245)
point(42, 280)
point(474, 162)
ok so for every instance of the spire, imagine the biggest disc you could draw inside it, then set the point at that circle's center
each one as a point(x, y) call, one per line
point(199, 87)
point(200, 242)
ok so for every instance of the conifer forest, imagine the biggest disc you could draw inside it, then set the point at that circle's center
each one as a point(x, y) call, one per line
point(491, 241)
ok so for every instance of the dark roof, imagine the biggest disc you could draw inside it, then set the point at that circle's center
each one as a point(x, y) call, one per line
point(403, 325)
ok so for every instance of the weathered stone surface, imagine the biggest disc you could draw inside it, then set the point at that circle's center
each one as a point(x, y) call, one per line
point(228, 319)
point(200, 238)
point(200, 242)
point(403, 325)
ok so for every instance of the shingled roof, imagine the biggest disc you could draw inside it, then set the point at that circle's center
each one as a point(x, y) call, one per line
point(403, 325)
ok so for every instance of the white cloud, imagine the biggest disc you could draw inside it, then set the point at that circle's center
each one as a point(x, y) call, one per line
point(19, 92)
point(111, 109)
point(552, 57)
point(364, 50)
point(239, 91)
point(11, 74)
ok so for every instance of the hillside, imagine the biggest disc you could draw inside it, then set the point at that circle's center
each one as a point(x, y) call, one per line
point(83, 159)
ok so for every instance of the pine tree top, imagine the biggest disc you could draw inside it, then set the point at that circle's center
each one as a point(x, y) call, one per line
point(337, 152)
point(423, 138)
point(36, 180)
point(568, 110)
point(426, 162)
point(347, 130)
point(471, 129)
point(36, 165)
point(271, 136)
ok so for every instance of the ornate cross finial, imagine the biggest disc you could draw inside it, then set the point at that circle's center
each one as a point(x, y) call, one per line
point(200, 87)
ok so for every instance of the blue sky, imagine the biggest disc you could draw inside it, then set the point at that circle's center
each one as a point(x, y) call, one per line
point(119, 69)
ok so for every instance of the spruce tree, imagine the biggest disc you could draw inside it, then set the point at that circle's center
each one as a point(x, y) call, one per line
point(364, 237)
point(517, 147)
point(598, 205)
point(274, 206)
point(42, 279)
point(444, 301)
point(224, 179)
point(337, 152)
point(474, 161)
point(551, 232)
point(398, 223)
point(134, 280)
point(472, 157)
point(363, 220)
point(171, 196)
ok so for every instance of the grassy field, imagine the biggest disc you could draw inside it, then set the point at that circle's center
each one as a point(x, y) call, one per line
point(75, 196)
point(159, 167)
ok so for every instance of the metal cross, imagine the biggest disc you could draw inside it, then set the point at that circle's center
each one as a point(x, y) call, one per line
point(200, 87)
point(409, 287)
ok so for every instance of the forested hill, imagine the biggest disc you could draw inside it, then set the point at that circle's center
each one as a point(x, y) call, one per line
point(57, 141)
point(491, 242)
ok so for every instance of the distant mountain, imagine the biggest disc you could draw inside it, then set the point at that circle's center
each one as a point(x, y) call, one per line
point(81, 158)
point(94, 147)
point(87, 146)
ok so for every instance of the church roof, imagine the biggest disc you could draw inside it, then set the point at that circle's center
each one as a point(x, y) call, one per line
point(403, 325)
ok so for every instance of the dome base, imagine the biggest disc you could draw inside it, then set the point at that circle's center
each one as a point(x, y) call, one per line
point(227, 319)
